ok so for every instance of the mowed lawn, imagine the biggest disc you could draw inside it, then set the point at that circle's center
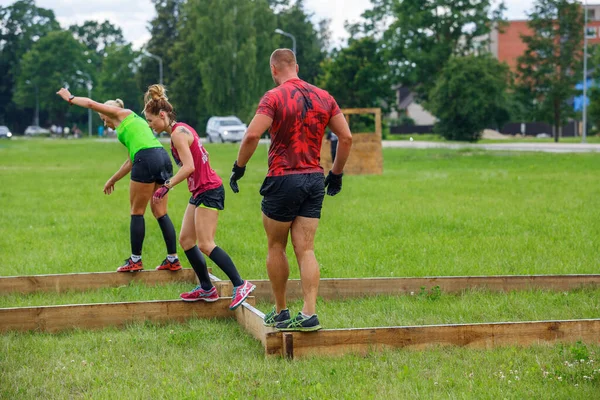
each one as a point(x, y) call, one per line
point(432, 212)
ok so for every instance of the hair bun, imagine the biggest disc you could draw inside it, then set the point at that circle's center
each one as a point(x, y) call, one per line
point(157, 92)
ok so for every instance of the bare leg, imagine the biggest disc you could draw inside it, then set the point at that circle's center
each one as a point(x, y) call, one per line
point(206, 228)
point(277, 264)
point(303, 240)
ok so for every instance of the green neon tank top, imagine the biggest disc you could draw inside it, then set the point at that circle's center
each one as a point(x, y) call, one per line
point(136, 135)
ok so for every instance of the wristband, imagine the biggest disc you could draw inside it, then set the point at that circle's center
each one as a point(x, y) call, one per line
point(71, 99)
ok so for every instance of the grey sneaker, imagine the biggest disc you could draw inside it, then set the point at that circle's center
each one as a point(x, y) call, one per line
point(272, 318)
point(300, 323)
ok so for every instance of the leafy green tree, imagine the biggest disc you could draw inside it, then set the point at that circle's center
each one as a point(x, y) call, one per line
point(357, 75)
point(21, 25)
point(469, 94)
point(550, 67)
point(222, 56)
point(420, 36)
point(186, 86)
point(96, 37)
point(310, 41)
point(165, 30)
point(54, 60)
point(593, 91)
point(117, 76)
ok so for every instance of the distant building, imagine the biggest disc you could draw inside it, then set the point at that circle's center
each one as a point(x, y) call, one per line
point(406, 104)
point(507, 46)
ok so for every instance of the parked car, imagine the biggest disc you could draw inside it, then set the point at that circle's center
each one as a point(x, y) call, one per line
point(34, 130)
point(5, 132)
point(225, 129)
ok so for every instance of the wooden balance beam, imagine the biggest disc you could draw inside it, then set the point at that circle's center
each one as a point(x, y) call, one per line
point(486, 335)
point(90, 280)
point(340, 288)
point(97, 316)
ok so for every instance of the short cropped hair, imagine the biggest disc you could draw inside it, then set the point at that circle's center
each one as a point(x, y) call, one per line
point(283, 59)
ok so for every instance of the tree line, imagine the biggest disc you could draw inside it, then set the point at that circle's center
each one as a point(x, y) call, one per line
point(215, 60)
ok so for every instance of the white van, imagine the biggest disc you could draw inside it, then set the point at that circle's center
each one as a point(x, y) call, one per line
point(225, 129)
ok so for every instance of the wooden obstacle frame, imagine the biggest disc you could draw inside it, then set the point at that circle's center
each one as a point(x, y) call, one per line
point(297, 344)
point(366, 156)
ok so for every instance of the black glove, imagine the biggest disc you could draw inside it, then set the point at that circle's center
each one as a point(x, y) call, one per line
point(236, 173)
point(333, 183)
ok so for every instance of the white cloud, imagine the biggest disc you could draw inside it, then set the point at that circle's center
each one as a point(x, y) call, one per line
point(133, 15)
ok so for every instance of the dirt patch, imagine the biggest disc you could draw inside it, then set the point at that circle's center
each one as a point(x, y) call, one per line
point(492, 134)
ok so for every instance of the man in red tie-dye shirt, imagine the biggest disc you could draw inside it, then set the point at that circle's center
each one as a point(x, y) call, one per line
point(296, 114)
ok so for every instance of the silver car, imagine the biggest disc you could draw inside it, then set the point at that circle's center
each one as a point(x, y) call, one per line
point(225, 129)
point(5, 132)
point(35, 130)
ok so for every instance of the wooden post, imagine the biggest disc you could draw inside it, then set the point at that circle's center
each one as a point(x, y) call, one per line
point(366, 156)
point(288, 345)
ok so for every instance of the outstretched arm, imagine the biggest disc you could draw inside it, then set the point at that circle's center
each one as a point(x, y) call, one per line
point(110, 111)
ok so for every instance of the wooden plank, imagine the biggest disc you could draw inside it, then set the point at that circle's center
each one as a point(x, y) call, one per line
point(336, 288)
point(248, 316)
point(96, 316)
point(487, 335)
point(361, 110)
point(251, 320)
point(90, 280)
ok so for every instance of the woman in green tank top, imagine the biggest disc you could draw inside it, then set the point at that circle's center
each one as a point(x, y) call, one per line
point(150, 168)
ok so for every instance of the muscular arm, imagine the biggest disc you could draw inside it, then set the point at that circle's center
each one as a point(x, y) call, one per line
point(339, 126)
point(181, 138)
point(259, 124)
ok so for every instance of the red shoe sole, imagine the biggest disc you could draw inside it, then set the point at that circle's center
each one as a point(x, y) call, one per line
point(168, 269)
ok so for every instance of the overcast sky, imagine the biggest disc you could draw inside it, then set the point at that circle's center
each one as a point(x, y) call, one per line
point(133, 15)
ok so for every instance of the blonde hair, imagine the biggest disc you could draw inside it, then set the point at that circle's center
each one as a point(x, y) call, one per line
point(156, 100)
point(115, 103)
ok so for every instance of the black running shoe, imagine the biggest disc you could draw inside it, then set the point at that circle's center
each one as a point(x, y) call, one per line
point(272, 318)
point(300, 323)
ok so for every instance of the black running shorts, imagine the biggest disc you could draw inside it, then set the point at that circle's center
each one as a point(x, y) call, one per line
point(289, 196)
point(151, 166)
point(213, 199)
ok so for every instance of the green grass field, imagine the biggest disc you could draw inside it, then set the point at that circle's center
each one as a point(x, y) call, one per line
point(430, 137)
point(433, 212)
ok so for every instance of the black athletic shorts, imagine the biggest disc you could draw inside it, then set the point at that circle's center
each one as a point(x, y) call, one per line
point(289, 196)
point(151, 166)
point(213, 199)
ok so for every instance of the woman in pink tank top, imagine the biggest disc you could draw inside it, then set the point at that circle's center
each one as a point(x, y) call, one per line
point(199, 224)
